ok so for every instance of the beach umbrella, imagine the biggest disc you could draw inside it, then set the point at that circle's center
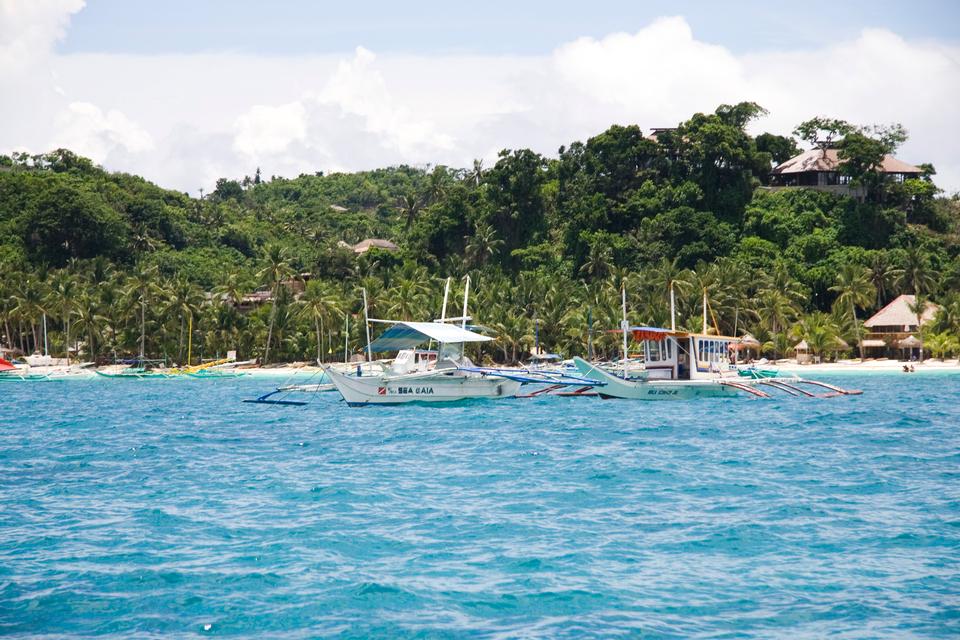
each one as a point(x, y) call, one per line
point(910, 342)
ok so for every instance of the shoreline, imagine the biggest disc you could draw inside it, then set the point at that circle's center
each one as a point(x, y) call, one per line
point(844, 367)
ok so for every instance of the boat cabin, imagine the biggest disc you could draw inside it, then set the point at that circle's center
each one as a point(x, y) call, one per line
point(413, 360)
point(678, 355)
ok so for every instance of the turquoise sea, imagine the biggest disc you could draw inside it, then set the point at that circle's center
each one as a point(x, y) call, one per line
point(169, 508)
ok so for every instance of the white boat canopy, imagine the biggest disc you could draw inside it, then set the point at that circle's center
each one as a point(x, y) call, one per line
point(406, 335)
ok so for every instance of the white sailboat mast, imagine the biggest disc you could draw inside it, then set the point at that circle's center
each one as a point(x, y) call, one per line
point(466, 296)
point(704, 309)
point(446, 295)
point(366, 322)
point(673, 308)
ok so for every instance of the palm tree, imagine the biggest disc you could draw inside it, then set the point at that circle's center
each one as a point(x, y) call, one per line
point(513, 333)
point(918, 307)
point(89, 321)
point(231, 288)
point(482, 245)
point(407, 297)
point(820, 332)
point(882, 275)
point(775, 311)
point(184, 300)
point(667, 276)
point(140, 284)
point(916, 273)
point(475, 175)
point(277, 270)
point(320, 301)
point(63, 297)
point(409, 204)
point(854, 290)
point(598, 261)
point(31, 304)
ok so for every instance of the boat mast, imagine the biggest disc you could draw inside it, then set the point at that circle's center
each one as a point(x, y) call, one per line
point(446, 294)
point(590, 333)
point(189, 339)
point(624, 325)
point(673, 309)
point(346, 337)
point(366, 322)
point(704, 310)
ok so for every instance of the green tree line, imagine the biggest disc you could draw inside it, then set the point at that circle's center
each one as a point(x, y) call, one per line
point(108, 258)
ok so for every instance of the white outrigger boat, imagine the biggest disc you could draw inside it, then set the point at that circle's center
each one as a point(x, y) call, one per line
point(447, 378)
point(424, 376)
point(679, 365)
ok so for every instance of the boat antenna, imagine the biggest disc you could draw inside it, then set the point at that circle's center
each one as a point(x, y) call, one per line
point(624, 325)
point(366, 322)
point(466, 296)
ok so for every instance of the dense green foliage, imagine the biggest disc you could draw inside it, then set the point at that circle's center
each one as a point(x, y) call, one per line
point(548, 243)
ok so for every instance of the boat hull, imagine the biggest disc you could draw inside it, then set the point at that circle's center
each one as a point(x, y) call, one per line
point(433, 388)
point(615, 387)
point(134, 376)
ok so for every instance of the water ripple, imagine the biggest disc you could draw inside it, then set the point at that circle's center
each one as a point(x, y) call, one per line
point(169, 508)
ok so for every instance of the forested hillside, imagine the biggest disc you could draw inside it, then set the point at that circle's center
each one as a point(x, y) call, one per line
point(548, 241)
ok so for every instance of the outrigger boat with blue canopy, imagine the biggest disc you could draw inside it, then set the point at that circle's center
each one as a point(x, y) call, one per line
point(451, 376)
point(447, 376)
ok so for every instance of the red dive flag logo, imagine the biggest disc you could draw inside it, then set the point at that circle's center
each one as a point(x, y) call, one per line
point(382, 391)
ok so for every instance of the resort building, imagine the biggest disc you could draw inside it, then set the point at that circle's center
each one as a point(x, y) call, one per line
point(894, 330)
point(820, 169)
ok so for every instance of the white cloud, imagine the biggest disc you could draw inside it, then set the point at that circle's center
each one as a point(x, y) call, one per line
point(184, 120)
point(29, 29)
point(89, 131)
point(267, 130)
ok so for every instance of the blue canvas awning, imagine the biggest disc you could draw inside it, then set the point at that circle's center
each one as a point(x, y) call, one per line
point(407, 335)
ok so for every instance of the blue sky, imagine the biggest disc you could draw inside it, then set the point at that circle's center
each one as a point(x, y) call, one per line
point(487, 26)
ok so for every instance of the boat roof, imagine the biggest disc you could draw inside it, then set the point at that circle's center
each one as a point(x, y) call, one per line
point(659, 333)
point(407, 335)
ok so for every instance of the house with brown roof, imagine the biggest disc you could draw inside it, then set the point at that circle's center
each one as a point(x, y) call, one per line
point(820, 169)
point(894, 330)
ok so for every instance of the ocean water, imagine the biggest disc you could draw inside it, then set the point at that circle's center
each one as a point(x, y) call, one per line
point(169, 508)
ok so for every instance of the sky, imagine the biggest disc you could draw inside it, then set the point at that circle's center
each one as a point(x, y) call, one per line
point(185, 92)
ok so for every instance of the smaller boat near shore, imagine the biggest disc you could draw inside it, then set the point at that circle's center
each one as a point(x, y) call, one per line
point(9, 372)
point(138, 369)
